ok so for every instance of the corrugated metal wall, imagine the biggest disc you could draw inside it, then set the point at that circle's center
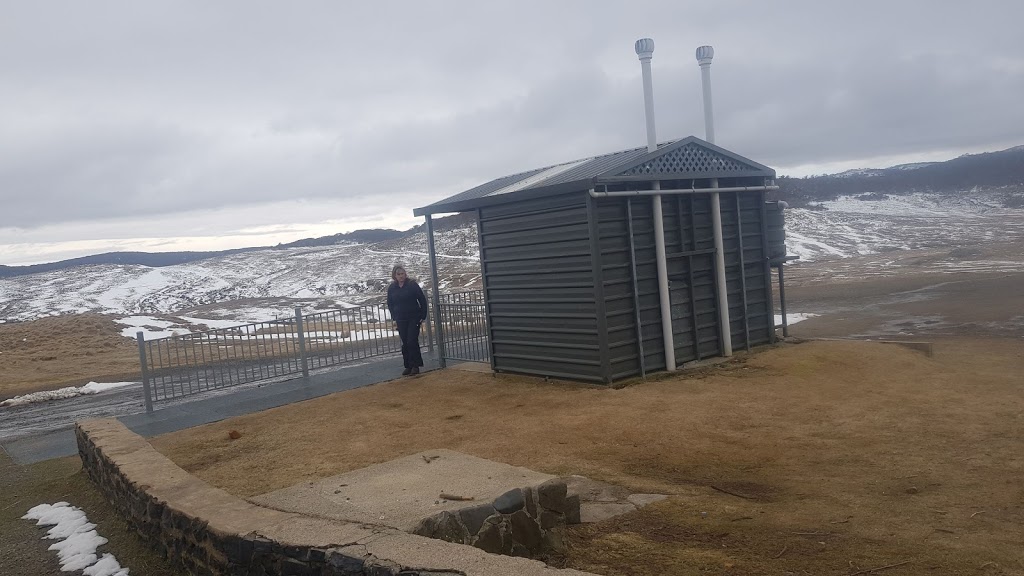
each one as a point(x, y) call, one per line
point(551, 314)
point(750, 303)
point(538, 267)
point(689, 244)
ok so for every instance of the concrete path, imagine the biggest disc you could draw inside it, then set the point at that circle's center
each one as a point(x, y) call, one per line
point(40, 432)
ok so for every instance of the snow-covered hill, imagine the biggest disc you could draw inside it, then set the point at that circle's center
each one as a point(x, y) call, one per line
point(857, 226)
point(328, 276)
point(264, 284)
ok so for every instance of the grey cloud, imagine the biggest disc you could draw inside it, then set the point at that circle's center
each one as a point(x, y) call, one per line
point(133, 110)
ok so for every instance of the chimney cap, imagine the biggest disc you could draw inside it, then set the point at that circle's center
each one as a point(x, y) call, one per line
point(644, 48)
point(705, 54)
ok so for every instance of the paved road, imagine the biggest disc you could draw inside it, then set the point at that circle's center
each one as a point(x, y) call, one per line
point(37, 432)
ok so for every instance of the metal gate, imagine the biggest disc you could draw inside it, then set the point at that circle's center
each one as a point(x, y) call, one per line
point(462, 331)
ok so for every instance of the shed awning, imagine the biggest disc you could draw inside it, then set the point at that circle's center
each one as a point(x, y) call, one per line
point(683, 159)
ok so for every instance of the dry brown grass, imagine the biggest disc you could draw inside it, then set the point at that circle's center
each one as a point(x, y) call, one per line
point(844, 456)
point(64, 351)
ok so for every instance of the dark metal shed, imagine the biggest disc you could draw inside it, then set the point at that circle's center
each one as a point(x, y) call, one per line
point(569, 263)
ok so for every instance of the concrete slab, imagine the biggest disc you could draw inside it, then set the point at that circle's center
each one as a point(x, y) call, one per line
point(601, 501)
point(400, 493)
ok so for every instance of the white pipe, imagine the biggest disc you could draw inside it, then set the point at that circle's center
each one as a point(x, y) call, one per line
point(596, 194)
point(704, 57)
point(645, 51)
point(723, 289)
point(663, 295)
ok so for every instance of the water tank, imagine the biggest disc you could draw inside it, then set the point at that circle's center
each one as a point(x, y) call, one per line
point(776, 229)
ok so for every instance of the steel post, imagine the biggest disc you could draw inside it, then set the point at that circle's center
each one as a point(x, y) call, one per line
point(302, 342)
point(141, 337)
point(782, 300)
point(436, 292)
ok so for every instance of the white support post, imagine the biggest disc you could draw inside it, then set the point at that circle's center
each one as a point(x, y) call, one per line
point(704, 56)
point(645, 51)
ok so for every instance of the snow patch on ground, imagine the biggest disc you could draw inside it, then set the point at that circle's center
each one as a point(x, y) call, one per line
point(854, 226)
point(62, 393)
point(793, 317)
point(150, 327)
point(77, 540)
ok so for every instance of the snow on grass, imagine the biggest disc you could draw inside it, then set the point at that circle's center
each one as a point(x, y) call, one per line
point(793, 317)
point(150, 327)
point(77, 540)
point(239, 315)
point(62, 393)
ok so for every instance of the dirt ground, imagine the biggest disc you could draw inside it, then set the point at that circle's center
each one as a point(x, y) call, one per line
point(813, 458)
point(59, 351)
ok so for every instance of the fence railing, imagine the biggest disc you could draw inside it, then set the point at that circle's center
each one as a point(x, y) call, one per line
point(180, 366)
point(464, 326)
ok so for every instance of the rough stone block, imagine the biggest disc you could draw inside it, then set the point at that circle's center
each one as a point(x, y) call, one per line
point(549, 519)
point(317, 555)
point(552, 495)
point(294, 567)
point(530, 495)
point(572, 512)
point(473, 518)
point(450, 529)
point(510, 501)
point(262, 545)
point(426, 527)
point(341, 563)
point(526, 532)
point(489, 539)
point(378, 567)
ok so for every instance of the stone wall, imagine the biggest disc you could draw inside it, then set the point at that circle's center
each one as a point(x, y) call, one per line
point(207, 531)
point(522, 522)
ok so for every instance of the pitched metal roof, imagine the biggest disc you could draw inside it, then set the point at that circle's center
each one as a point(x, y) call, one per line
point(683, 159)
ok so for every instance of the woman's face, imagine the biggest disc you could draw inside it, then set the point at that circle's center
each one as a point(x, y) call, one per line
point(400, 276)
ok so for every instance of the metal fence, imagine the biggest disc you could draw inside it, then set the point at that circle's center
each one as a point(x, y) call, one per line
point(179, 366)
point(464, 329)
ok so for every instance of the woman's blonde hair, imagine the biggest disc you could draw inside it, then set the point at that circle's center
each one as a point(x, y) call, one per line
point(394, 273)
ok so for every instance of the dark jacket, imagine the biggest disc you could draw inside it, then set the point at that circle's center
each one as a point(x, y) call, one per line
point(407, 302)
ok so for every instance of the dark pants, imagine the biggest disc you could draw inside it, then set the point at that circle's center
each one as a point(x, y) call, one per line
point(409, 332)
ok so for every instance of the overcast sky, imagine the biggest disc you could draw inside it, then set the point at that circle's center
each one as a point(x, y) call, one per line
point(207, 125)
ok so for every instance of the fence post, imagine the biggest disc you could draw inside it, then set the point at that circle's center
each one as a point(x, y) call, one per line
point(141, 337)
point(302, 342)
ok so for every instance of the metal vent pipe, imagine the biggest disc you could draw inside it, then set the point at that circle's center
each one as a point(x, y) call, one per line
point(645, 51)
point(704, 56)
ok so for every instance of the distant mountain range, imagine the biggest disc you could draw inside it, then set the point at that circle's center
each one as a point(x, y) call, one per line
point(1001, 171)
point(161, 259)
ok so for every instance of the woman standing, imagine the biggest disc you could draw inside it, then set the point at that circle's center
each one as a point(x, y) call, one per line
point(408, 307)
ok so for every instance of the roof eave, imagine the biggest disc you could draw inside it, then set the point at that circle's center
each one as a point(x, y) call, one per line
point(686, 176)
point(519, 195)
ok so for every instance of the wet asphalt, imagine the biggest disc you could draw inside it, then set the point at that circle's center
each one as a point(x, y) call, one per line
point(45, 430)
